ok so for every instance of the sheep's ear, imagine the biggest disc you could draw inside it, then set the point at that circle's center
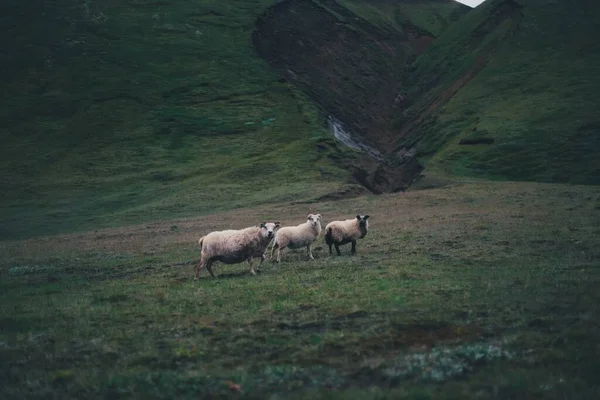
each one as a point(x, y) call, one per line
point(358, 217)
point(319, 216)
point(277, 224)
point(366, 217)
point(308, 216)
point(263, 225)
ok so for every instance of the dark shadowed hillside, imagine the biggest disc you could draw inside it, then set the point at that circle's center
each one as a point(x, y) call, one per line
point(125, 111)
point(353, 62)
point(118, 112)
point(132, 128)
point(509, 91)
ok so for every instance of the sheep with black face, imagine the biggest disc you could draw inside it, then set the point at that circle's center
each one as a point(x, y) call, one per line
point(235, 246)
point(338, 233)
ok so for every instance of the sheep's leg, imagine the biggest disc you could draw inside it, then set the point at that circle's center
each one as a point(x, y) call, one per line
point(337, 248)
point(279, 252)
point(251, 262)
point(262, 259)
point(309, 251)
point(209, 268)
point(200, 265)
point(330, 250)
point(353, 247)
point(275, 247)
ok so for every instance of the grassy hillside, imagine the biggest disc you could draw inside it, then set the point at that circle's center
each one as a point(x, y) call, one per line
point(120, 112)
point(352, 62)
point(432, 16)
point(473, 291)
point(124, 111)
point(140, 111)
point(523, 74)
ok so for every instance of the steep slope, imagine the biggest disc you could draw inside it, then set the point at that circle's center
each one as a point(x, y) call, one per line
point(354, 67)
point(433, 16)
point(117, 112)
point(510, 92)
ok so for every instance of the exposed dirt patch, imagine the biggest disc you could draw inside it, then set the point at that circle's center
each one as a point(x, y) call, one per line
point(358, 74)
point(350, 68)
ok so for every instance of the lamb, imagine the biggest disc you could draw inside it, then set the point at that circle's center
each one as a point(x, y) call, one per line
point(235, 246)
point(341, 232)
point(298, 236)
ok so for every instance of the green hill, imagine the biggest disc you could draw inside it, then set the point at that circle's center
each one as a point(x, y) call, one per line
point(123, 112)
point(509, 91)
point(523, 74)
point(120, 112)
point(352, 58)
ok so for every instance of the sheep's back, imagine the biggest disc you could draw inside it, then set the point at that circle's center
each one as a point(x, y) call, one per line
point(246, 241)
point(296, 236)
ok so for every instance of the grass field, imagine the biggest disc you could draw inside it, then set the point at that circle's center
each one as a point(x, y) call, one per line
point(472, 290)
point(526, 75)
point(122, 112)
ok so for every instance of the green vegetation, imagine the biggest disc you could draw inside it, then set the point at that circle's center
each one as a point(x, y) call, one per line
point(123, 112)
point(120, 112)
point(524, 73)
point(161, 113)
point(485, 290)
point(432, 16)
point(351, 62)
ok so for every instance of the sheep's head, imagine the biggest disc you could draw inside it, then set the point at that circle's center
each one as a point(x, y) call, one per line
point(269, 228)
point(362, 222)
point(314, 220)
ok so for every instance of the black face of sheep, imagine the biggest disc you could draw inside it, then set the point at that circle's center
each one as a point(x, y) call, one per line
point(362, 220)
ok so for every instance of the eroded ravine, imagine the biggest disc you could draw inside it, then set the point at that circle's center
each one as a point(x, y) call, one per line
point(362, 77)
point(352, 70)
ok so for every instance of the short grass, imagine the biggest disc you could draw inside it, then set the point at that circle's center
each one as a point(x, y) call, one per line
point(119, 112)
point(473, 290)
point(431, 16)
point(536, 96)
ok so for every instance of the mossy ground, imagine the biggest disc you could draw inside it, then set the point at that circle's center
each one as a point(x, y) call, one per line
point(481, 289)
point(140, 112)
point(527, 73)
point(122, 112)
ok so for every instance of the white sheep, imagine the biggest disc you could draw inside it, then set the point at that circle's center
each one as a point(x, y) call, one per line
point(341, 232)
point(298, 236)
point(235, 246)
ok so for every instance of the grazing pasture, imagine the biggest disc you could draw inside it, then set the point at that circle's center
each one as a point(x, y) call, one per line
point(477, 289)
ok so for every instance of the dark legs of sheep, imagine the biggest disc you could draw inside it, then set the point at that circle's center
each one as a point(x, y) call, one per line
point(204, 264)
point(353, 246)
point(209, 268)
point(337, 248)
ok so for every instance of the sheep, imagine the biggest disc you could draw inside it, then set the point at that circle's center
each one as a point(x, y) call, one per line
point(235, 246)
point(298, 236)
point(342, 232)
